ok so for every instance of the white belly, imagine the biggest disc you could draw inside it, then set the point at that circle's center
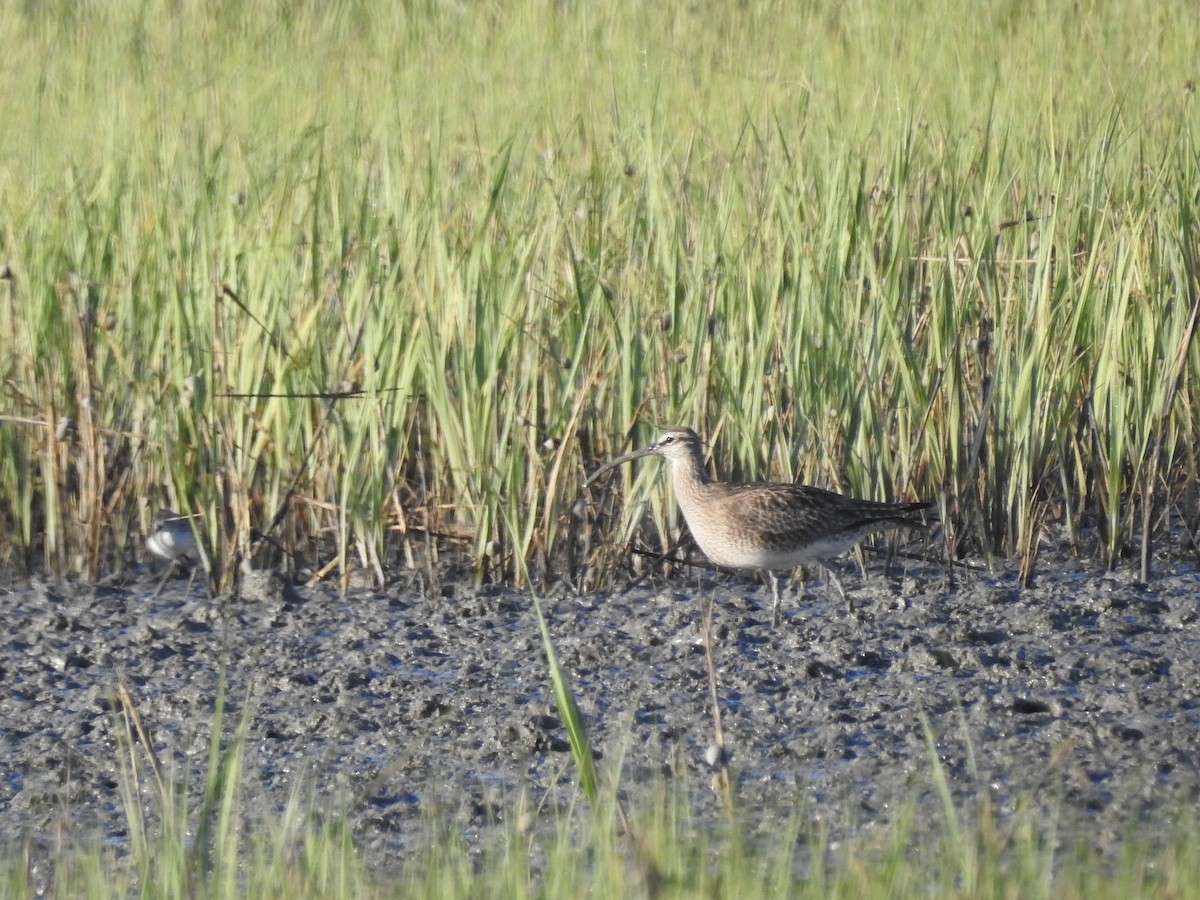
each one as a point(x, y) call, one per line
point(737, 554)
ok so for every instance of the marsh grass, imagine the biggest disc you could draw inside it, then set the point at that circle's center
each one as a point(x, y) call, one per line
point(568, 710)
point(385, 282)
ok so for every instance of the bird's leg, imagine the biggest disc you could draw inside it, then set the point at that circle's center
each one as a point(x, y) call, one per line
point(172, 567)
point(777, 607)
point(162, 581)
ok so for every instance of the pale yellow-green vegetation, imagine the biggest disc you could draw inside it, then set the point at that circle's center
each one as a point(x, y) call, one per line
point(418, 266)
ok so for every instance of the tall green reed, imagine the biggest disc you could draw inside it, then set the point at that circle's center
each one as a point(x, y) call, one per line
point(411, 319)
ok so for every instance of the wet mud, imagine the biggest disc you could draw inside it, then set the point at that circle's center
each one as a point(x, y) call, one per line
point(1078, 695)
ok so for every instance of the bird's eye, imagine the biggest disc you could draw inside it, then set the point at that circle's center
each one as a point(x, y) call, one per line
point(669, 439)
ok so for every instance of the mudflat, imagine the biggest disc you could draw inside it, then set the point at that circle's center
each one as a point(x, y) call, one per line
point(1078, 696)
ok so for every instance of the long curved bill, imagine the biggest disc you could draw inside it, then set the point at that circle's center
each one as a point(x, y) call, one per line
point(620, 461)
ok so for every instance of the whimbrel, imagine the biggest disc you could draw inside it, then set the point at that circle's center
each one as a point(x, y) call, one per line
point(766, 525)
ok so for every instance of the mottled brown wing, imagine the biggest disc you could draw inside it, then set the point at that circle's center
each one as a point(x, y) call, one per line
point(790, 514)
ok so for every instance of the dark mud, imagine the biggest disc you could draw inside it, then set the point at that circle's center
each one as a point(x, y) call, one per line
point(1079, 695)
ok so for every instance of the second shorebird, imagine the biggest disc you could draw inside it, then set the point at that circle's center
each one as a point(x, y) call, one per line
point(766, 525)
point(173, 540)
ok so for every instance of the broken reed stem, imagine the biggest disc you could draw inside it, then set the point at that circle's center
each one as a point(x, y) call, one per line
point(722, 757)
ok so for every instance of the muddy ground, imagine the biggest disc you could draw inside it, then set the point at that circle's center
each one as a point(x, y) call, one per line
point(1079, 694)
